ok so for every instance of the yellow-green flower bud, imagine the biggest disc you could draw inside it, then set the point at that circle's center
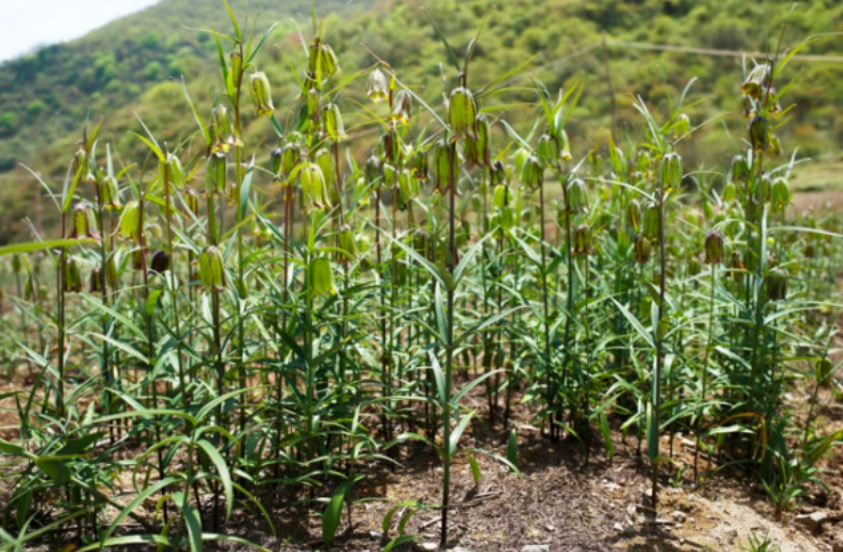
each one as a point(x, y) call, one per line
point(236, 67)
point(759, 133)
point(130, 221)
point(740, 169)
point(671, 171)
point(262, 94)
point(348, 244)
point(84, 222)
point(577, 196)
point(212, 269)
point(377, 88)
point(322, 60)
point(757, 80)
point(776, 284)
point(564, 146)
point(16, 264)
point(501, 196)
point(548, 150)
point(171, 171)
point(215, 174)
point(72, 276)
point(462, 113)
point(582, 240)
point(322, 277)
point(418, 164)
point(313, 186)
point(332, 119)
point(775, 148)
point(110, 192)
point(402, 105)
point(442, 164)
point(729, 192)
point(641, 250)
point(483, 132)
point(532, 174)
point(633, 214)
point(652, 221)
point(781, 196)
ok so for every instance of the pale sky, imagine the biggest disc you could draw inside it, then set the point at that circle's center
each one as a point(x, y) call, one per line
point(25, 24)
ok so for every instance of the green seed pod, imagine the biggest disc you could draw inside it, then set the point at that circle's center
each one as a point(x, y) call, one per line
point(215, 174)
point(577, 196)
point(212, 269)
point(390, 177)
point(348, 244)
point(332, 121)
point(781, 196)
point(633, 214)
point(759, 133)
point(80, 162)
point(110, 192)
point(501, 196)
point(191, 200)
point(313, 187)
point(377, 88)
point(422, 243)
point(582, 240)
point(72, 276)
point(95, 281)
point(652, 221)
point(84, 222)
point(671, 171)
point(776, 285)
point(462, 113)
point(548, 151)
point(641, 250)
point(322, 277)
point(16, 264)
point(160, 262)
point(262, 94)
point(713, 247)
point(532, 174)
point(402, 107)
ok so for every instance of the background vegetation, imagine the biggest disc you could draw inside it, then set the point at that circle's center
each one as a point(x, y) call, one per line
point(133, 66)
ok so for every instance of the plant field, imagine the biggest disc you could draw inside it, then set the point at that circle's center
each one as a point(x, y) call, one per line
point(225, 341)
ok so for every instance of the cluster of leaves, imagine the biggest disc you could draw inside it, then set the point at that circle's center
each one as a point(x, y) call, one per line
point(285, 313)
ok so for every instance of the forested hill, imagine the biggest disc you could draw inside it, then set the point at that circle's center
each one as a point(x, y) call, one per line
point(619, 49)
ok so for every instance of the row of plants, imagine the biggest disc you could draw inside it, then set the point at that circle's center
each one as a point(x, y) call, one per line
point(216, 324)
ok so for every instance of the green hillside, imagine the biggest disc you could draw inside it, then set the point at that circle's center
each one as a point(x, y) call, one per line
point(133, 66)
